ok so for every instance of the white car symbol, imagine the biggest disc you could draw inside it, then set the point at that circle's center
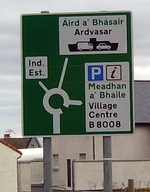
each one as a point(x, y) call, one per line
point(103, 46)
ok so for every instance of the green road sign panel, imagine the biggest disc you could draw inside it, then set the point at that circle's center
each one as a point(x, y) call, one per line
point(77, 74)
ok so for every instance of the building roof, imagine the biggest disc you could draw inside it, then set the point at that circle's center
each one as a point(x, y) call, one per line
point(32, 154)
point(10, 146)
point(142, 101)
point(19, 143)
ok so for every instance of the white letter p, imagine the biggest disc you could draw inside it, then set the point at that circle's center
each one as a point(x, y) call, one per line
point(95, 71)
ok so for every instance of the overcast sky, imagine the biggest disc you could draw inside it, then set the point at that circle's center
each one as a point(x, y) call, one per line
point(10, 52)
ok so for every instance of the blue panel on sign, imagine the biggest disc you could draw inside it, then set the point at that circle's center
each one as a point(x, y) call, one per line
point(95, 73)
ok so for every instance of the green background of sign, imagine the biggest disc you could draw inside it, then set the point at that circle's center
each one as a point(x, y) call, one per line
point(40, 37)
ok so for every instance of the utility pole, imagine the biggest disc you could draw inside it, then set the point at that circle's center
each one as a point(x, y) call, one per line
point(107, 163)
point(47, 163)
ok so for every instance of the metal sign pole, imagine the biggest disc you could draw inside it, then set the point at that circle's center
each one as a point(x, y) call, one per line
point(47, 164)
point(47, 161)
point(107, 163)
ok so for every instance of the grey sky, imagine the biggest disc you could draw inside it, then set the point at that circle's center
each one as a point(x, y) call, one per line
point(10, 51)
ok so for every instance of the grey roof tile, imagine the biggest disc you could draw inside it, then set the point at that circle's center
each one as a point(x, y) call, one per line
point(142, 101)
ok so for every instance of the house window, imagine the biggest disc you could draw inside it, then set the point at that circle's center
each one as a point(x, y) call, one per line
point(55, 162)
point(82, 156)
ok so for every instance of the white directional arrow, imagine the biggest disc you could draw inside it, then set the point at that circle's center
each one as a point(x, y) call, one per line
point(59, 91)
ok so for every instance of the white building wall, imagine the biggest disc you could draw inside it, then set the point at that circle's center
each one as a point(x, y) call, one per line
point(24, 176)
point(36, 172)
point(8, 169)
point(89, 175)
point(29, 173)
point(69, 147)
point(127, 147)
point(124, 147)
point(135, 146)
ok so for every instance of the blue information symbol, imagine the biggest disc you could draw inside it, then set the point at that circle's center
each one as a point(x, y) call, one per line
point(95, 73)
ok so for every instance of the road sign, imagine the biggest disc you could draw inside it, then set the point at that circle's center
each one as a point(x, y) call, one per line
point(77, 73)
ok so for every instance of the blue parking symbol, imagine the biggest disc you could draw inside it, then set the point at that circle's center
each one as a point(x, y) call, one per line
point(95, 73)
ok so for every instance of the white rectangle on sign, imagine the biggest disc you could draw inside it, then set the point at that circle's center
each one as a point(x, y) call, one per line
point(36, 67)
point(99, 34)
point(107, 96)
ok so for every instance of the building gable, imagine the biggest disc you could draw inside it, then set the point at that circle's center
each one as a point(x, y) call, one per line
point(10, 147)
